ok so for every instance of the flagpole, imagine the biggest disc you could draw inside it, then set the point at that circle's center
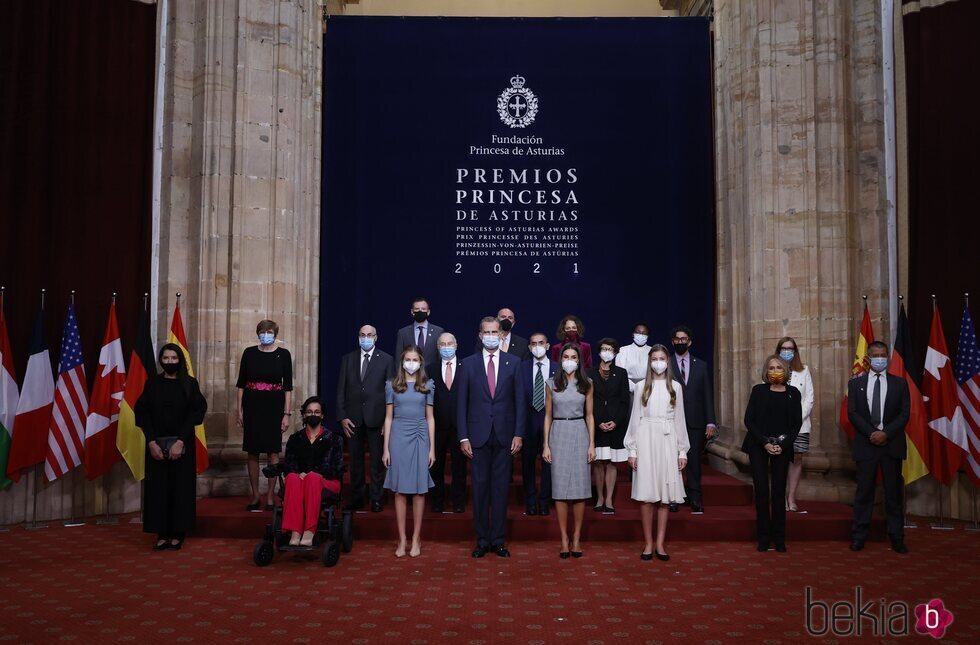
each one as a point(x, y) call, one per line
point(909, 524)
point(139, 518)
point(975, 524)
point(3, 289)
point(941, 525)
point(107, 519)
point(37, 474)
point(71, 520)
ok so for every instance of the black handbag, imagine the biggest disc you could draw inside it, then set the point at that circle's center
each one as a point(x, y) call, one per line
point(166, 443)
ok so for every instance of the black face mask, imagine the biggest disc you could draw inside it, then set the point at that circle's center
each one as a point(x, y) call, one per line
point(312, 420)
point(420, 316)
point(506, 324)
point(170, 368)
point(681, 348)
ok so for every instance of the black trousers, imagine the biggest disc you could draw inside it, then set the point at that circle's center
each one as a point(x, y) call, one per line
point(530, 456)
point(692, 472)
point(374, 441)
point(769, 472)
point(448, 442)
point(864, 497)
point(491, 470)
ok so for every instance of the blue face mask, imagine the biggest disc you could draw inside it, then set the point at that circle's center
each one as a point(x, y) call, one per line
point(879, 364)
point(491, 342)
point(447, 352)
point(267, 338)
point(787, 355)
point(367, 344)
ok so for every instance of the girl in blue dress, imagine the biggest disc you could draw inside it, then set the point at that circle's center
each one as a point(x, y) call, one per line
point(409, 443)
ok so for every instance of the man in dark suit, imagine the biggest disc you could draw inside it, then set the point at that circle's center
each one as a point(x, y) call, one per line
point(444, 373)
point(534, 373)
point(878, 407)
point(491, 417)
point(361, 412)
point(421, 333)
point(699, 411)
point(509, 342)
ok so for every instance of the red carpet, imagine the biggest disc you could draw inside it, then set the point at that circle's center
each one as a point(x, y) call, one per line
point(101, 584)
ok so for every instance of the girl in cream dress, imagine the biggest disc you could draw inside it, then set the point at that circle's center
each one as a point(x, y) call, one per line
point(657, 443)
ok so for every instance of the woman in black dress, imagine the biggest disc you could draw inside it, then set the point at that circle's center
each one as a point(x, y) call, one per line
point(773, 419)
point(611, 411)
point(168, 409)
point(265, 396)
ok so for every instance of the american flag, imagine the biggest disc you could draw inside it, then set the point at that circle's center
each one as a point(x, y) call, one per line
point(66, 432)
point(968, 385)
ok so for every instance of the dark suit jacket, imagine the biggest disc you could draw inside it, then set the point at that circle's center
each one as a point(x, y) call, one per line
point(406, 337)
point(699, 398)
point(761, 425)
point(363, 403)
point(611, 398)
point(443, 399)
point(505, 414)
point(517, 347)
point(894, 417)
point(535, 419)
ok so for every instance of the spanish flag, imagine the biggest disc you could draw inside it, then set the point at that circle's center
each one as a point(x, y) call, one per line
point(177, 337)
point(903, 366)
point(858, 367)
point(129, 437)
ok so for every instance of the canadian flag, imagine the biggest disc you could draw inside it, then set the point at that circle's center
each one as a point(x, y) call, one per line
point(947, 442)
point(103, 412)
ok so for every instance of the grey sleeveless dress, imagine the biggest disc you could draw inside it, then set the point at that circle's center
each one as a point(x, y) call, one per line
point(569, 443)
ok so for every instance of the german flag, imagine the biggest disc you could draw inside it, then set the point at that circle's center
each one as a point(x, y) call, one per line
point(129, 437)
point(903, 366)
point(178, 338)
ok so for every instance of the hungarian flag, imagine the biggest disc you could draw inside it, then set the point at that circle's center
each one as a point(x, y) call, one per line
point(66, 431)
point(858, 367)
point(917, 429)
point(129, 437)
point(8, 398)
point(177, 336)
point(29, 443)
point(103, 412)
point(947, 441)
point(968, 382)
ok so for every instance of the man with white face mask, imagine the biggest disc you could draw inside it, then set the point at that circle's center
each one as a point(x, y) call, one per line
point(361, 412)
point(535, 372)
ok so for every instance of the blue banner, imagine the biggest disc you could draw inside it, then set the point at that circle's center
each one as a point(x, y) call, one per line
point(551, 166)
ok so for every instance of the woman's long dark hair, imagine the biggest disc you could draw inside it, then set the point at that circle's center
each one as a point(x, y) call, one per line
point(583, 384)
point(182, 376)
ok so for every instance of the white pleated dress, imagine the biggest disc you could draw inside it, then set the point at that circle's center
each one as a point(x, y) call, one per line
point(657, 437)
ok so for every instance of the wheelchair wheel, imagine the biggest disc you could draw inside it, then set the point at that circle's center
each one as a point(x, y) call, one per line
point(331, 554)
point(347, 532)
point(262, 554)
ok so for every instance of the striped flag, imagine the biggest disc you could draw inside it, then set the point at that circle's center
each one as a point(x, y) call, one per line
point(858, 367)
point(8, 399)
point(177, 337)
point(66, 432)
point(947, 440)
point(129, 437)
point(103, 413)
point(903, 366)
point(968, 384)
point(27, 444)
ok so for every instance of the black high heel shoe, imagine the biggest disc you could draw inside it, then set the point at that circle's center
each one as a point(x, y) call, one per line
point(576, 554)
point(175, 547)
point(162, 544)
point(663, 557)
point(563, 555)
point(646, 557)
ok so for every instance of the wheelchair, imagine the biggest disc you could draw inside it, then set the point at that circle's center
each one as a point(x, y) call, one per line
point(333, 534)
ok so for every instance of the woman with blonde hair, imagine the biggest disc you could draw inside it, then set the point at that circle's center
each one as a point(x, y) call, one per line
point(657, 442)
point(799, 377)
point(409, 443)
point(772, 418)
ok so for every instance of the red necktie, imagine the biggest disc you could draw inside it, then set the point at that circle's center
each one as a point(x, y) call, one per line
point(449, 375)
point(491, 377)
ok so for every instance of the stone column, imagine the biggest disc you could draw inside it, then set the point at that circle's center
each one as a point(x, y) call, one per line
point(800, 207)
point(240, 215)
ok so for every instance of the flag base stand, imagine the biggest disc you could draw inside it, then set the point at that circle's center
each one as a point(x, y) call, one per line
point(107, 521)
point(33, 526)
point(974, 526)
point(909, 524)
point(73, 522)
point(941, 525)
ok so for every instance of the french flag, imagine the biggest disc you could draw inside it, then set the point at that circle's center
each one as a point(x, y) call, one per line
point(29, 441)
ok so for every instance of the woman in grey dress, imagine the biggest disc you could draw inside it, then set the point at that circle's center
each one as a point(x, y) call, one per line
point(569, 444)
point(409, 443)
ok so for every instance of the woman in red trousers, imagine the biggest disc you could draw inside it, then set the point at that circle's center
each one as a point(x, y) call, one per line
point(313, 462)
